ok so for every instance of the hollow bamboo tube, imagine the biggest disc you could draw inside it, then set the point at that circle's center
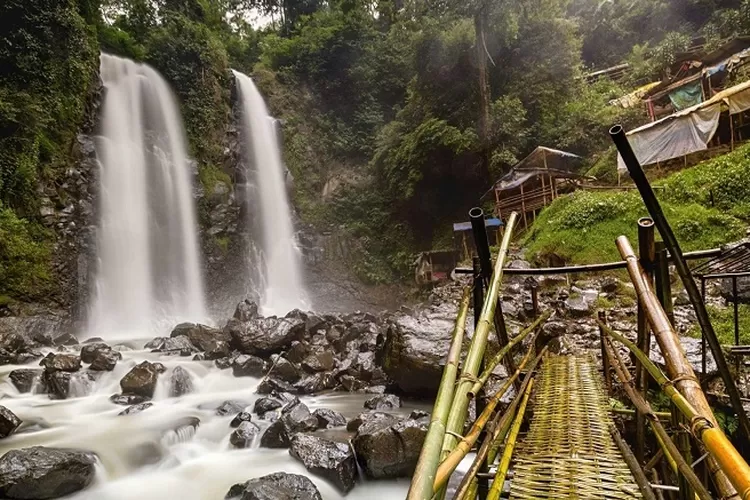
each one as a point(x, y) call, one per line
point(450, 463)
point(490, 367)
point(678, 367)
point(670, 449)
point(429, 457)
point(638, 474)
point(460, 405)
point(500, 427)
point(510, 444)
point(723, 454)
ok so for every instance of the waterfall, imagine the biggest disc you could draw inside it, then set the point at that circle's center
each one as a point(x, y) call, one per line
point(148, 274)
point(282, 287)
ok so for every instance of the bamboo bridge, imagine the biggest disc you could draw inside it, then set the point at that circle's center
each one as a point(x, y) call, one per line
point(572, 447)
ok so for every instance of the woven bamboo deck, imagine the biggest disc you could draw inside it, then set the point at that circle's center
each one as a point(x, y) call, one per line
point(568, 452)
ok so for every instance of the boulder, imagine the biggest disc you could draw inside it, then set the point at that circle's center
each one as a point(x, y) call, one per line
point(216, 349)
point(180, 344)
point(127, 399)
point(276, 486)
point(224, 363)
point(297, 352)
point(131, 410)
point(156, 343)
point(313, 323)
point(264, 336)
point(141, 380)
point(328, 419)
point(9, 422)
point(246, 311)
point(370, 416)
point(579, 306)
point(270, 384)
point(57, 384)
point(275, 401)
point(66, 339)
point(42, 473)
point(200, 336)
point(319, 362)
point(24, 378)
point(230, 407)
point(294, 419)
point(282, 369)
point(61, 362)
point(245, 365)
point(244, 435)
point(415, 351)
point(383, 402)
point(89, 351)
point(313, 384)
point(329, 459)
point(389, 447)
point(180, 383)
point(242, 416)
point(105, 361)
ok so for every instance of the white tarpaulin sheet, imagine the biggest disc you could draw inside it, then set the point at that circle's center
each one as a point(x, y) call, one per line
point(739, 102)
point(676, 136)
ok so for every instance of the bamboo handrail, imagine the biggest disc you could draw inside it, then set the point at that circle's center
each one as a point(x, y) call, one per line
point(460, 405)
point(721, 449)
point(510, 445)
point(500, 427)
point(424, 474)
point(449, 464)
point(670, 449)
point(678, 367)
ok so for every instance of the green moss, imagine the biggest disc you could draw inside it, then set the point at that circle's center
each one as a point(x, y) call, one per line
point(222, 242)
point(209, 175)
point(25, 252)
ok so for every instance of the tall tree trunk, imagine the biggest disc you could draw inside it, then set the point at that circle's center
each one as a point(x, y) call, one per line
point(483, 127)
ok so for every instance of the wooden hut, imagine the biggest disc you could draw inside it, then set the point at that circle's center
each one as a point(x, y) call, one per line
point(534, 182)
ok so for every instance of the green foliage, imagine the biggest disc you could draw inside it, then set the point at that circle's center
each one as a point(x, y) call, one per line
point(722, 319)
point(25, 251)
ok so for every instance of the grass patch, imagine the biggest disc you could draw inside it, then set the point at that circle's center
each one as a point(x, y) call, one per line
point(722, 319)
point(707, 205)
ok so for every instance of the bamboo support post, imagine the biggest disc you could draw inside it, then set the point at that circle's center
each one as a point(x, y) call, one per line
point(657, 214)
point(510, 444)
point(635, 467)
point(646, 251)
point(424, 474)
point(663, 285)
point(723, 457)
point(605, 359)
point(682, 441)
point(678, 366)
point(670, 449)
point(460, 405)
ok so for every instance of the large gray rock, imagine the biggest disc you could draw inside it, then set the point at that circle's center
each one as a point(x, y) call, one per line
point(331, 460)
point(41, 473)
point(246, 365)
point(313, 384)
point(294, 419)
point(89, 351)
point(132, 410)
point(230, 407)
point(319, 362)
point(9, 422)
point(246, 311)
point(179, 344)
point(415, 351)
point(180, 382)
point(61, 362)
point(105, 361)
point(388, 447)
point(264, 336)
point(383, 402)
point(276, 486)
point(24, 378)
point(200, 336)
point(328, 419)
point(242, 416)
point(216, 349)
point(579, 306)
point(141, 380)
point(282, 369)
point(271, 384)
point(244, 435)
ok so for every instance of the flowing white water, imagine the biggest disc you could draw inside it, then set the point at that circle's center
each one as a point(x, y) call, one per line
point(282, 283)
point(152, 455)
point(148, 273)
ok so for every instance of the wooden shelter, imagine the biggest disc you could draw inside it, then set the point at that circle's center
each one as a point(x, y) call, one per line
point(534, 182)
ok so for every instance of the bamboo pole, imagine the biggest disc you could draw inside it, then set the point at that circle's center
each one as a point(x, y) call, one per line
point(429, 457)
point(670, 449)
point(460, 405)
point(725, 457)
point(490, 367)
point(678, 366)
point(500, 427)
point(638, 474)
point(510, 444)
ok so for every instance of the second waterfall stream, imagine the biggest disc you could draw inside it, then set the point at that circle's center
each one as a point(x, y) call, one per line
point(281, 287)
